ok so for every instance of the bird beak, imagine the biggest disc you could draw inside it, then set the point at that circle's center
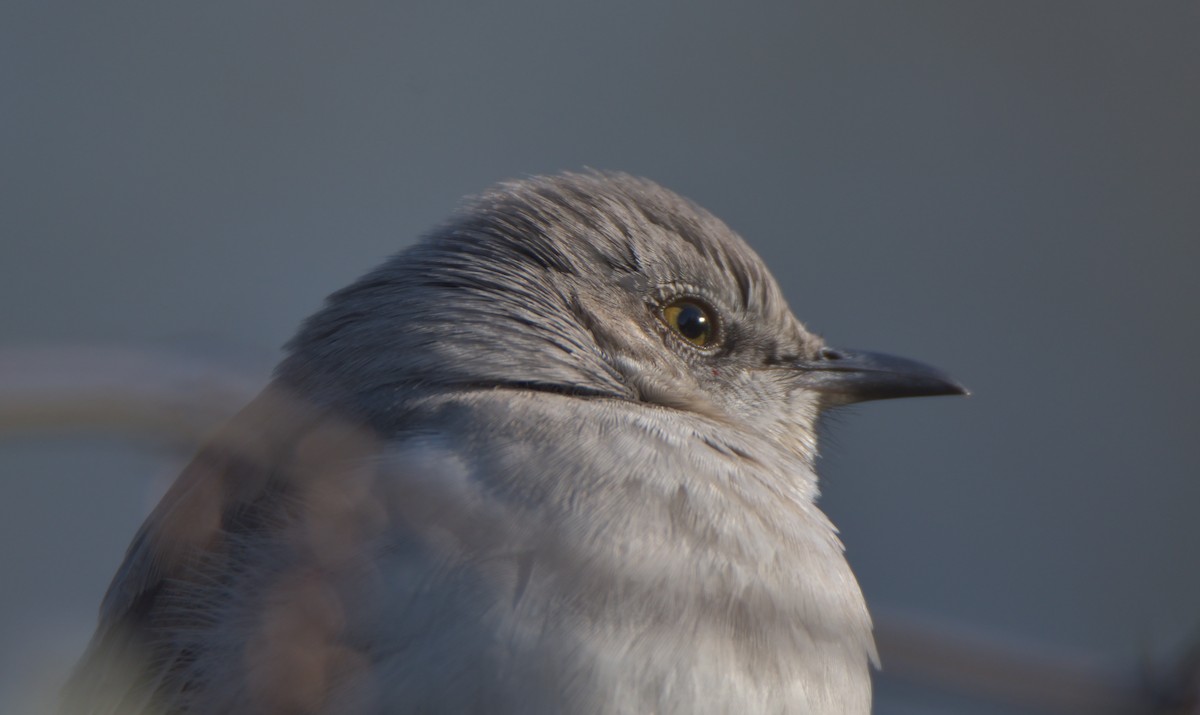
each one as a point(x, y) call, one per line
point(843, 377)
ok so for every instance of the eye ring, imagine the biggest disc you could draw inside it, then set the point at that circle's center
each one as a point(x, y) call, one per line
point(693, 321)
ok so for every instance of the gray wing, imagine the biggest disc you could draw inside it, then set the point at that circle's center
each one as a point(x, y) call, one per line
point(236, 530)
point(294, 555)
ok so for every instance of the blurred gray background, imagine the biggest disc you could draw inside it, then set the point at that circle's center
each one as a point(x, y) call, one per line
point(1010, 190)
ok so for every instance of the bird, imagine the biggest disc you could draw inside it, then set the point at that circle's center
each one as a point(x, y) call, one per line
point(557, 456)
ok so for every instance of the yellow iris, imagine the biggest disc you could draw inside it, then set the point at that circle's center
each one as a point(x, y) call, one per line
point(693, 321)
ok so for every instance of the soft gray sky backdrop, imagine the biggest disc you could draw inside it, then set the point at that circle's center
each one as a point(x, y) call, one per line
point(1010, 190)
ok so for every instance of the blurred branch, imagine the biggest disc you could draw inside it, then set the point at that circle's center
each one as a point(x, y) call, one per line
point(179, 400)
point(150, 394)
point(985, 664)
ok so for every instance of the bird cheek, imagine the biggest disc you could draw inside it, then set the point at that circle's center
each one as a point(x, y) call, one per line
point(803, 406)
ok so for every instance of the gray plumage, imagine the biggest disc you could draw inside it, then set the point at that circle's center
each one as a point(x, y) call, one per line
point(493, 476)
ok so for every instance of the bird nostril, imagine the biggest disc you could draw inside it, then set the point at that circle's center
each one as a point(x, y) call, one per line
point(830, 354)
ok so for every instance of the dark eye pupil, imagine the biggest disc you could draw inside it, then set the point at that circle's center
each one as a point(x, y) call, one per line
point(693, 323)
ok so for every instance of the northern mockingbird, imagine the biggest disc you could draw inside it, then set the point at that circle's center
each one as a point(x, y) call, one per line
point(557, 457)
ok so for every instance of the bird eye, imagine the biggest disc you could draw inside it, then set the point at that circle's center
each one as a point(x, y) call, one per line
point(693, 321)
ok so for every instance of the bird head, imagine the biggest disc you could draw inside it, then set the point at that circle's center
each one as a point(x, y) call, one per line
point(595, 286)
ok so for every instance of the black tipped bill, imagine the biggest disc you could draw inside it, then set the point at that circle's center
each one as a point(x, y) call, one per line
point(844, 377)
